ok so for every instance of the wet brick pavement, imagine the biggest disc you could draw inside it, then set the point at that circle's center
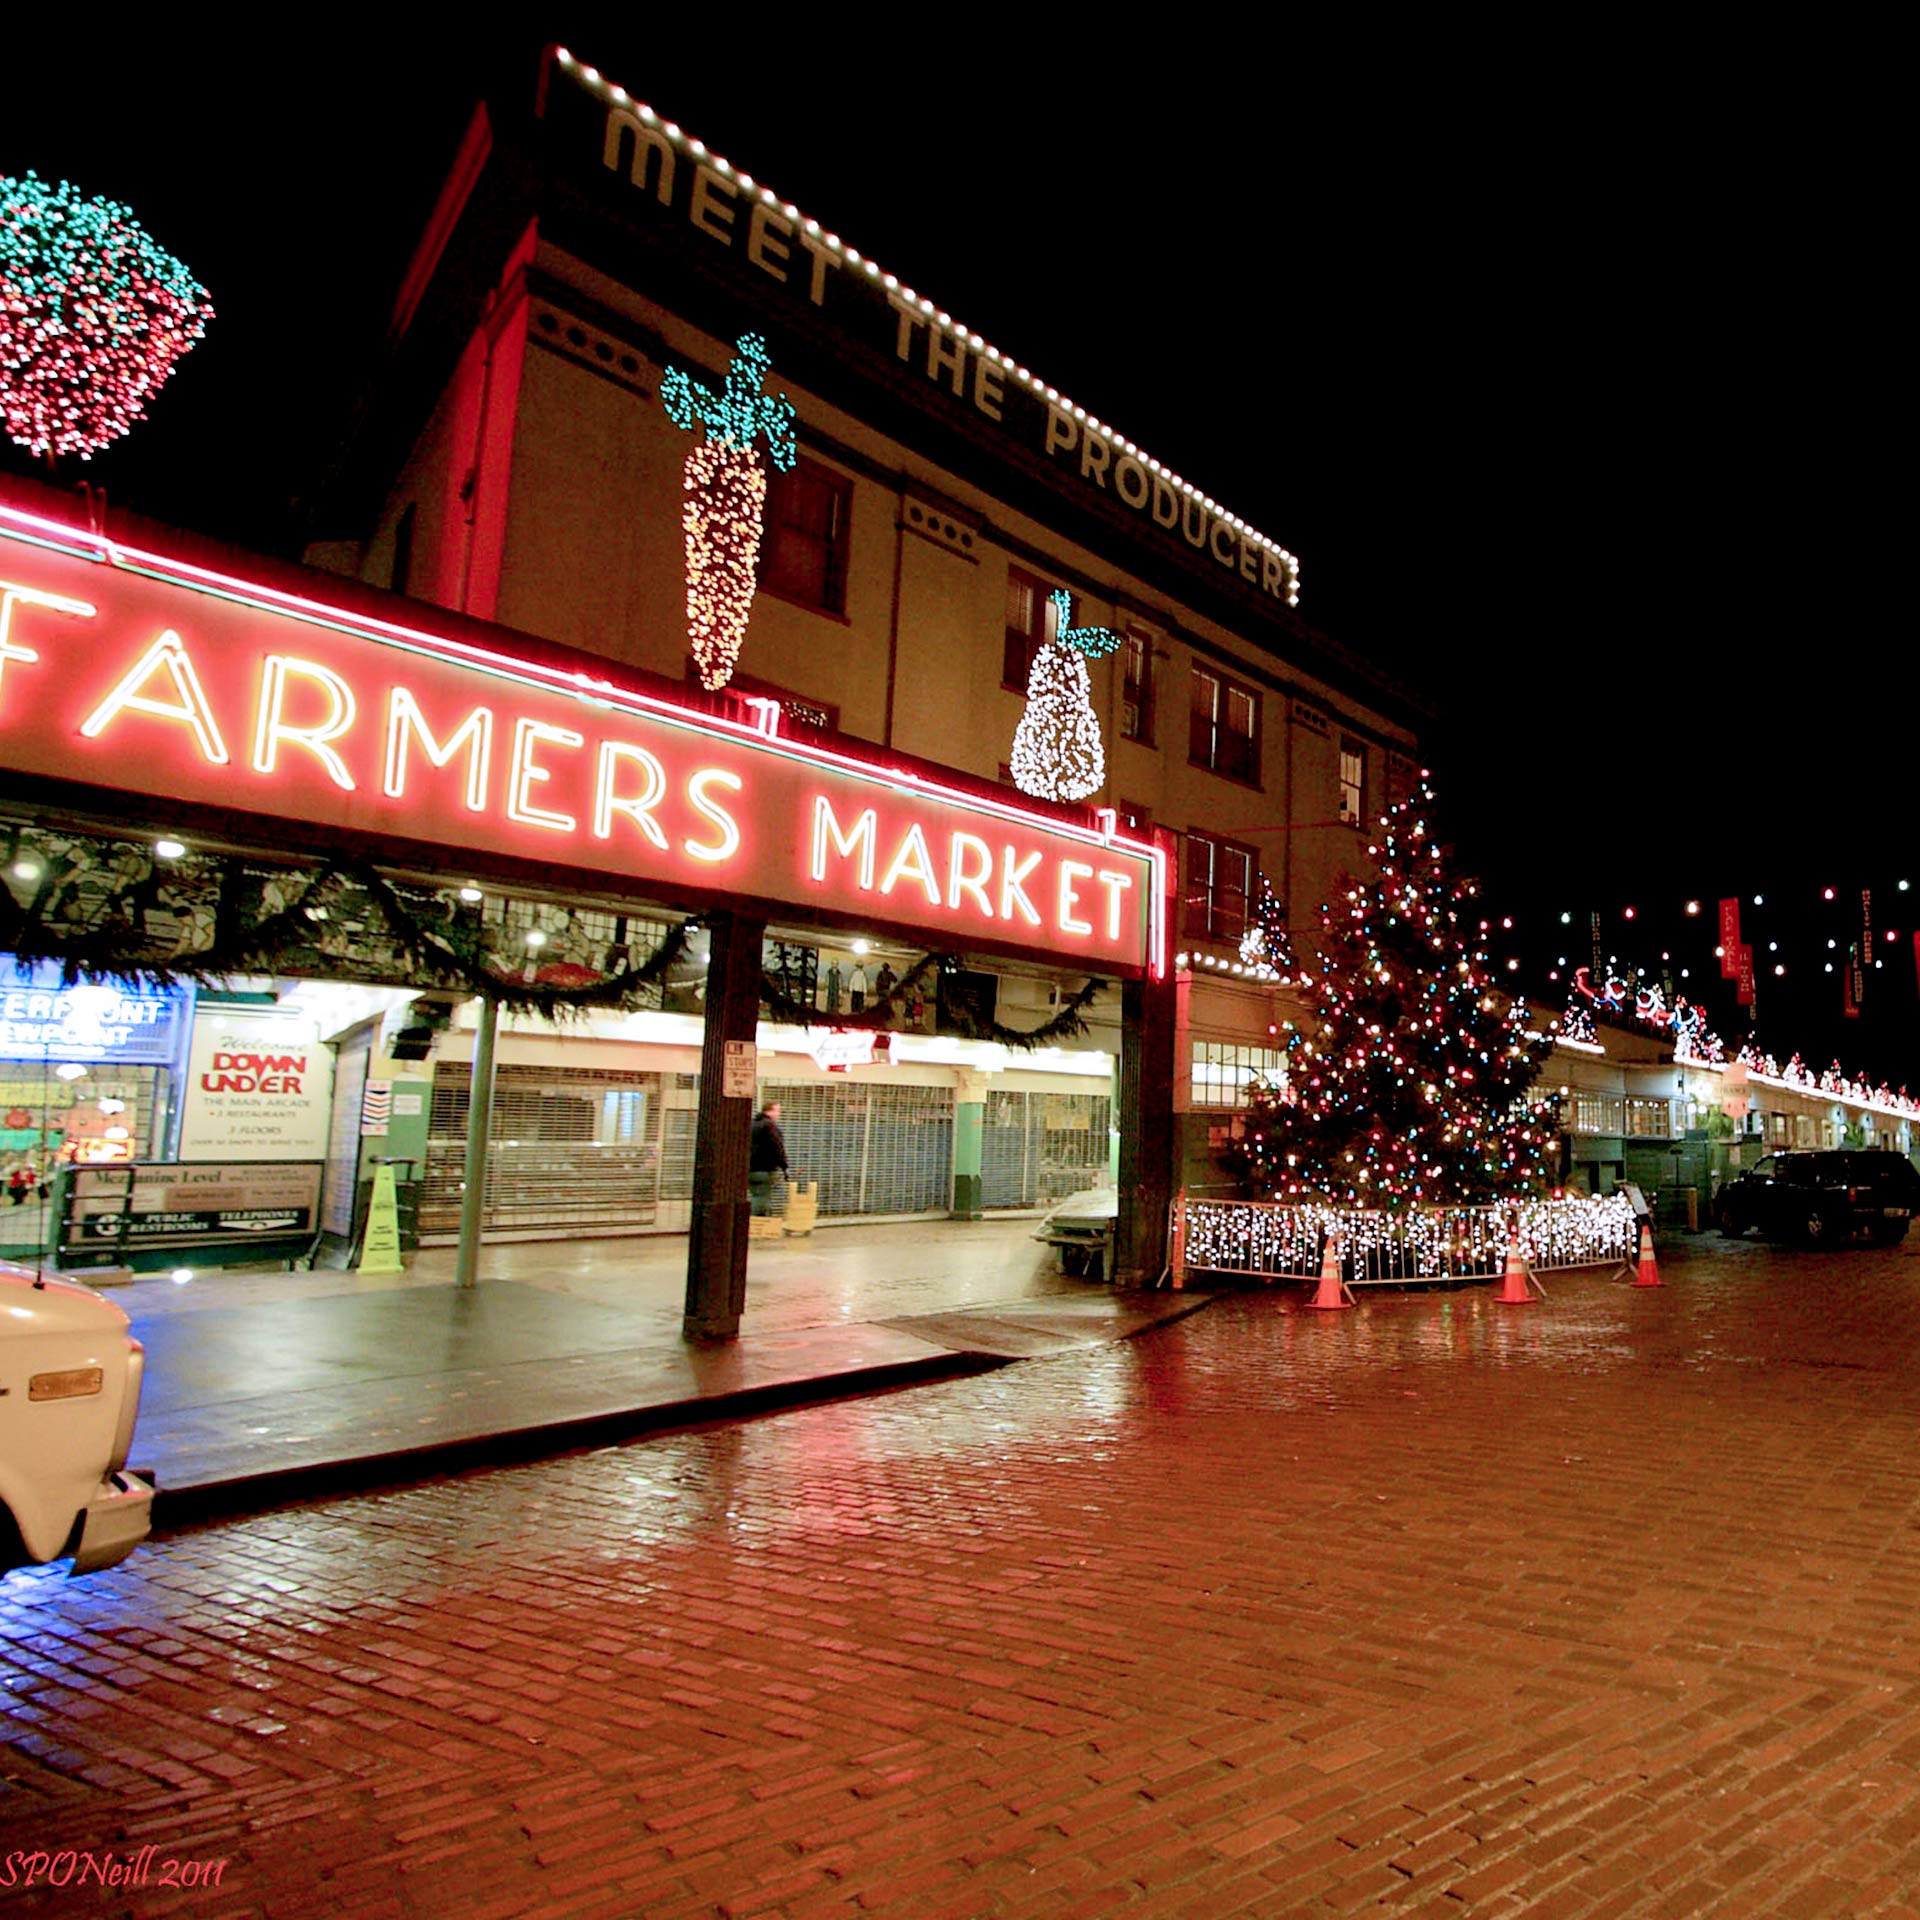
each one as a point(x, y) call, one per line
point(1604, 1607)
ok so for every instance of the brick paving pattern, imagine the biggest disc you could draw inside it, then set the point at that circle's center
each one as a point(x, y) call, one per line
point(1599, 1608)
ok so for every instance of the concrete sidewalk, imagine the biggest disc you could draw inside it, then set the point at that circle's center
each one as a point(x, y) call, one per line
point(266, 1386)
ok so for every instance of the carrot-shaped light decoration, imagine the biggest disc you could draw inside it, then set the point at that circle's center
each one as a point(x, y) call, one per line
point(726, 497)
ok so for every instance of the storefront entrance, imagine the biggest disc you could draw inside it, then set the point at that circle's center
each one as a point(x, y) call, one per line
point(365, 781)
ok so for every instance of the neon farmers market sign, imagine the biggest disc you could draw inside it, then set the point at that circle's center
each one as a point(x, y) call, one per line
point(130, 672)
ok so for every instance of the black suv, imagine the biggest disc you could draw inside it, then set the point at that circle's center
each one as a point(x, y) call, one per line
point(1820, 1197)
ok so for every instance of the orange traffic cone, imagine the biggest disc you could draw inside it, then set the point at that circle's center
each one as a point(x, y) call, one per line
point(1514, 1288)
point(1333, 1292)
point(1649, 1274)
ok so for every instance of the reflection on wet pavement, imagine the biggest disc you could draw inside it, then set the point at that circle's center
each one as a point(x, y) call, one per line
point(1600, 1607)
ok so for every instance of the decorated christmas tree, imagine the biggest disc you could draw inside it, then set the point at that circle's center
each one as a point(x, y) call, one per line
point(1407, 1082)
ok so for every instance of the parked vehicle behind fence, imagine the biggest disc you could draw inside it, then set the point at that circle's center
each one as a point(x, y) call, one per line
point(1822, 1197)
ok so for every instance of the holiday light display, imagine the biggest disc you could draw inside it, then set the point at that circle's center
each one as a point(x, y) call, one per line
point(1094, 642)
point(1407, 1083)
point(1266, 948)
point(1420, 1243)
point(1057, 751)
point(93, 317)
point(1692, 1039)
point(726, 497)
point(1834, 1083)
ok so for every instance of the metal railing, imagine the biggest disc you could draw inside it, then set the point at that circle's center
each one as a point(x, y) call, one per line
point(1262, 1241)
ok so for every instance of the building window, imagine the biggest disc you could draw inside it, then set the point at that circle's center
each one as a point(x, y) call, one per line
point(1225, 727)
point(803, 556)
point(1649, 1119)
point(1219, 884)
point(1583, 1111)
point(1353, 781)
point(1136, 689)
point(1030, 617)
point(1222, 1072)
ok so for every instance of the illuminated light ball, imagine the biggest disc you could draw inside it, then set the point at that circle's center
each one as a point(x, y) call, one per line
point(1693, 906)
point(1779, 970)
point(1826, 893)
point(1759, 900)
point(1629, 913)
point(94, 317)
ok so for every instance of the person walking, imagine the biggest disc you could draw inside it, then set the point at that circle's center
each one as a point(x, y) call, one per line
point(766, 1156)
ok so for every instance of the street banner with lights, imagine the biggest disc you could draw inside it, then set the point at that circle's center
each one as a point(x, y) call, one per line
point(1866, 947)
point(1729, 939)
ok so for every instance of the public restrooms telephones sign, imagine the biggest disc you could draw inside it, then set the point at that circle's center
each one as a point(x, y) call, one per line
point(130, 672)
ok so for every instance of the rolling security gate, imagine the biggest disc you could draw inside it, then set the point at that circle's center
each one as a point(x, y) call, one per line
point(873, 1149)
point(574, 1150)
point(1038, 1148)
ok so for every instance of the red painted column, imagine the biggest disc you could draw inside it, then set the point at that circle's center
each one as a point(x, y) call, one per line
point(1148, 1138)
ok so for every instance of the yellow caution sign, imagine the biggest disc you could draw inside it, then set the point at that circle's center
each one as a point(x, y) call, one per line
point(380, 1248)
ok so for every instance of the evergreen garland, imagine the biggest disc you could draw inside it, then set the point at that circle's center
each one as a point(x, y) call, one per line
point(105, 910)
point(113, 911)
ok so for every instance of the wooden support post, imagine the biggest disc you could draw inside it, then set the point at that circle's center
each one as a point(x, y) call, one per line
point(717, 1246)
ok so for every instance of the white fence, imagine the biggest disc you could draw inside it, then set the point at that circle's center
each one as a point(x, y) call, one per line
point(1267, 1242)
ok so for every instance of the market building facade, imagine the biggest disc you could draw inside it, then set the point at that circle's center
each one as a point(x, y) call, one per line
point(346, 776)
point(520, 463)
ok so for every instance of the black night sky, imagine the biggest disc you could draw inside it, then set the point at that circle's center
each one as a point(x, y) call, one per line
point(1570, 373)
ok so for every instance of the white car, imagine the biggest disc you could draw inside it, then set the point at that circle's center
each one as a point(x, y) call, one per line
point(69, 1393)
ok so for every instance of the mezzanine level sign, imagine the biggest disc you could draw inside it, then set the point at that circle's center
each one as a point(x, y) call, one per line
point(137, 674)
